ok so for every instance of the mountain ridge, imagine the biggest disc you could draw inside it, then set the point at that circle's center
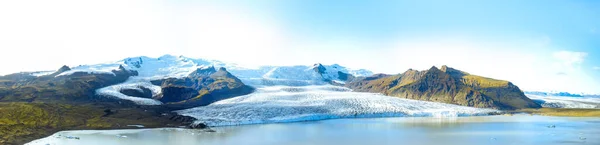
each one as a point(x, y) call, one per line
point(477, 91)
point(447, 85)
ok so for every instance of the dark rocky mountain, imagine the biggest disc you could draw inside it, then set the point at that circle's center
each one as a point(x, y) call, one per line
point(78, 87)
point(201, 87)
point(446, 85)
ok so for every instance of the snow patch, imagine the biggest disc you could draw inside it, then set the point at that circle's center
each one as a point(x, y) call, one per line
point(106, 68)
point(41, 73)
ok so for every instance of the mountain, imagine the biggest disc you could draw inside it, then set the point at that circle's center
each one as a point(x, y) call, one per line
point(187, 82)
point(43, 104)
point(562, 94)
point(78, 87)
point(201, 87)
point(298, 75)
point(154, 81)
point(158, 80)
point(446, 85)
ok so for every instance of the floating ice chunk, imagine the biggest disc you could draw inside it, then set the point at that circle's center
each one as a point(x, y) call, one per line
point(138, 126)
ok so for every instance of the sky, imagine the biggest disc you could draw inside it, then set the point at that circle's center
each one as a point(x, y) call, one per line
point(539, 45)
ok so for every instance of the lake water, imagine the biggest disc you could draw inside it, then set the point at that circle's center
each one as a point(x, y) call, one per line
point(481, 130)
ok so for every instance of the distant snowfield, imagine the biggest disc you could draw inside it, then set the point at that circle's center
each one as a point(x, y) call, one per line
point(566, 102)
point(274, 104)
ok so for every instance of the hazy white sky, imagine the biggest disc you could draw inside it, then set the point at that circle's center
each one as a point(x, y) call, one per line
point(519, 43)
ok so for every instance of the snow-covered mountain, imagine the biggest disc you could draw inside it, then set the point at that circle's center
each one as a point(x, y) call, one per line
point(169, 66)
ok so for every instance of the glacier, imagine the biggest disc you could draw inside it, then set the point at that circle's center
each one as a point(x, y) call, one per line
point(277, 104)
point(565, 102)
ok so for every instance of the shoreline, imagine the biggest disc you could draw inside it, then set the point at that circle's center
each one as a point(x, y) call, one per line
point(507, 114)
point(563, 112)
point(31, 121)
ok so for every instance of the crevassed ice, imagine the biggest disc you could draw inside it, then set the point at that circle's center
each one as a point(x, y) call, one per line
point(272, 104)
point(565, 102)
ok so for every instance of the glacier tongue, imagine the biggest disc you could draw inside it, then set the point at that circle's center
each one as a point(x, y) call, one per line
point(115, 91)
point(565, 102)
point(273, 104)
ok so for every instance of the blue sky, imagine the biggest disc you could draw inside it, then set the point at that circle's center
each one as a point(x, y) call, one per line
point(546, 45)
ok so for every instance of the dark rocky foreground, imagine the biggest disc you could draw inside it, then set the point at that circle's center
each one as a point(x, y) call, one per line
point(22, 122)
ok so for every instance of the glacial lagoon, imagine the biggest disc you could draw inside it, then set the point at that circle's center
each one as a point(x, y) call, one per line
point(476, 130)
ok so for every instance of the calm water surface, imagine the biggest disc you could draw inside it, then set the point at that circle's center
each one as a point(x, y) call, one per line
point(492, 130)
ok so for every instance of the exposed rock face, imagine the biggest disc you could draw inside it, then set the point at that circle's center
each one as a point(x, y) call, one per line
point(62, 69)
point(202, 87)
point(446, 85)
point(319, 68)
point(345, 76)
point(333, 74)
point(141, 92)
point(198, 126)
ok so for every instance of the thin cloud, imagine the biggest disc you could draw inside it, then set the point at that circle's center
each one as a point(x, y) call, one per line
point(570, 58)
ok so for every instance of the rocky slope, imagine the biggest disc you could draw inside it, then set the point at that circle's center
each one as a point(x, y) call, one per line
point(76, 88)
point(201, 87)
point(446, 85)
